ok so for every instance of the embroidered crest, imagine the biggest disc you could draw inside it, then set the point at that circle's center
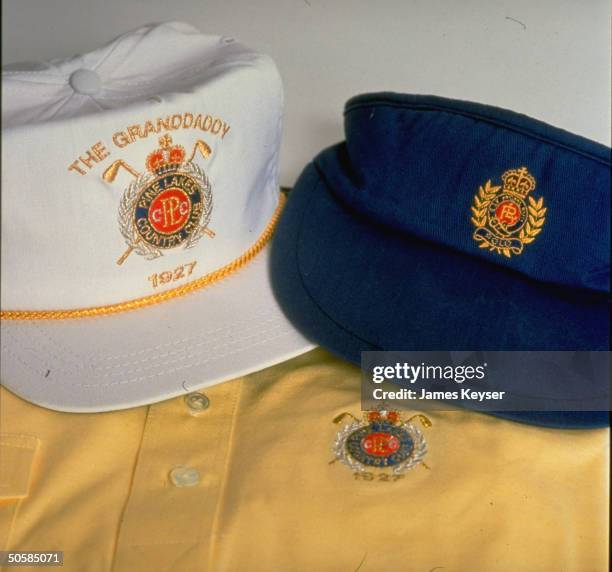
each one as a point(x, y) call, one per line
point(380, 441)
point(168, 206)
point(505, 222)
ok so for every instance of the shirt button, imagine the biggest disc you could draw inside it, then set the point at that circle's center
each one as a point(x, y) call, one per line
point(197, 402)
point(84, 81)
point(184, 476)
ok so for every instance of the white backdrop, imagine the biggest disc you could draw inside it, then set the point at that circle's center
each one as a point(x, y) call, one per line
point(547, 58)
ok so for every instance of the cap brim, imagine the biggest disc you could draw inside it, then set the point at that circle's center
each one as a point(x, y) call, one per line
point(226, 330)
point(354, 286)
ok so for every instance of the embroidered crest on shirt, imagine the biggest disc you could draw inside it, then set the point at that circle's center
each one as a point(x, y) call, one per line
point(506, 219)
point(169, 205)
point(380, 442)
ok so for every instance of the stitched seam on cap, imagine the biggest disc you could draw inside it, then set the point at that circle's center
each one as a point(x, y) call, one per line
point(298, 241)
point(240, 349)
point(224, 332)
point(432, 107)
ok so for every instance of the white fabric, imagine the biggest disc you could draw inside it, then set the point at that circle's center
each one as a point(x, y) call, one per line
point(60, 229)
point(229, 329)
point(61, 236)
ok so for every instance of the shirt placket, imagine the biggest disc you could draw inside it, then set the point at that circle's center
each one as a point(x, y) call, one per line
point(177, 484)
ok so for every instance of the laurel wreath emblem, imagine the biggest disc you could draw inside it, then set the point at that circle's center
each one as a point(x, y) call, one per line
point(536, 220)
point(533, 226)
point(128, 202)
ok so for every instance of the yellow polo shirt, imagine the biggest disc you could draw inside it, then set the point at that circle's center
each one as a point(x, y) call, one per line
point(247, 484)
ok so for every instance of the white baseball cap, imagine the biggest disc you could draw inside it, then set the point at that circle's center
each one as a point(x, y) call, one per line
point(139, 192)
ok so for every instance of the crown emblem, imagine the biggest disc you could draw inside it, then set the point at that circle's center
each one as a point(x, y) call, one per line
point(505, 221)
point(166, 154)
point(518, 181)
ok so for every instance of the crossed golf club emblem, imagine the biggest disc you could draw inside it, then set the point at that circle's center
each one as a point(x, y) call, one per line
point(166, 206)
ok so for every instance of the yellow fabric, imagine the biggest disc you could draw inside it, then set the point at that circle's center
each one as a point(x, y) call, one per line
point(17, 453)
point(498, 496)
point(17, 457)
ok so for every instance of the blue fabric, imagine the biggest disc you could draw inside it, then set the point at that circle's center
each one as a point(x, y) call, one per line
point(375, 251)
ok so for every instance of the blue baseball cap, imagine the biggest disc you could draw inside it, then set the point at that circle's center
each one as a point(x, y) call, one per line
point(449, 225)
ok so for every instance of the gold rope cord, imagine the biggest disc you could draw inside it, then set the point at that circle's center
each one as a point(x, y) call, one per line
point(201, 282)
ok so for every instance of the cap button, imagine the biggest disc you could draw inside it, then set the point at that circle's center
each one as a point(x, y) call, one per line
point(87, 82)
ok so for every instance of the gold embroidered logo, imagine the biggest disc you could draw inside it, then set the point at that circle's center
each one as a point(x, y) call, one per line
point(504, 221)
point(380, 446)
point(168, 206)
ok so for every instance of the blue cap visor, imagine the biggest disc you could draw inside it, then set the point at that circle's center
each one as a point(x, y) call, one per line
point(353, 286)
